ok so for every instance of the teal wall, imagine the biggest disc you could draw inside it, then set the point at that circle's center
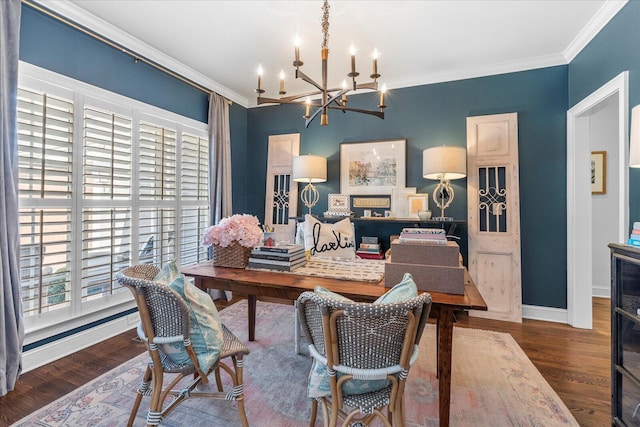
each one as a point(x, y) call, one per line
point(50, 44)
point(425, 116)
point(614, 50)
point(432, 115)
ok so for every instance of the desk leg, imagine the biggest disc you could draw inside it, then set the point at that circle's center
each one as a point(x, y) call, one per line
point(445, 332)
point(251, 299)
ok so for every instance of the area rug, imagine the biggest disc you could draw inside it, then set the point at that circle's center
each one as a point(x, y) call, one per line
point(493, 384)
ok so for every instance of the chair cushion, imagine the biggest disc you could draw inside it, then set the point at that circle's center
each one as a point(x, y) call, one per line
point(329, 240)
point(318, 383)
point(403, 291)
point(205, 327)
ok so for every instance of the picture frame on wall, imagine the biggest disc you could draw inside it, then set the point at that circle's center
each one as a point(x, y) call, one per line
point(417, 202)
point(339, 202)
point(598, 172)
point(400, 201)
point(375, 167)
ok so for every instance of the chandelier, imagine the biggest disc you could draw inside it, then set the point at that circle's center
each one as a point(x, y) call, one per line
point(330, 98)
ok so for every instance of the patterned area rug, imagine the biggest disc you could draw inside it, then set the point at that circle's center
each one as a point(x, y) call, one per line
point(359, 270)
point(493, 384)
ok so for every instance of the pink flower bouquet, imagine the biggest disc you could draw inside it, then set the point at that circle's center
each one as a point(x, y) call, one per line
point(242, 228)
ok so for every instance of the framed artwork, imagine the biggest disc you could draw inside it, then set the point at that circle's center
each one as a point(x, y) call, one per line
point(400, 201)
point(375, 167)
point(339, 202)
point(375, 205)
point(598, 172)
point(372, 202)
point(417, 202)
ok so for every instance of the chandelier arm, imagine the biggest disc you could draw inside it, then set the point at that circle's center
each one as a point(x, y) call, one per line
point(379, 114)
point(289, 99)
point(311, 117)
point(318, 108)
point(303, 76)
point(371, 85)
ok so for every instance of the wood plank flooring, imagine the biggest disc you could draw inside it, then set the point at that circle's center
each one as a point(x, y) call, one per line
point(575, 362)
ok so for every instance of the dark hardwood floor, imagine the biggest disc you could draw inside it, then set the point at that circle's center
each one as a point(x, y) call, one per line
point(575, 362)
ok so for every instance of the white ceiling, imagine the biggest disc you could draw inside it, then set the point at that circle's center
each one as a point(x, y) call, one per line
point(219, 44)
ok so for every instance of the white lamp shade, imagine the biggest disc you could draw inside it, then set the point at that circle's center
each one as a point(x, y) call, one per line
point(309, 168)
point(444, 162)
point(634, 140)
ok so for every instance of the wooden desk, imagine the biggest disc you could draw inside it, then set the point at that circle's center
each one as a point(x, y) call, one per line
point(252, 284)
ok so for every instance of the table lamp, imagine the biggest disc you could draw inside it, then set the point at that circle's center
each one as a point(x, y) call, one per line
point(444, 163)
point(309, 169)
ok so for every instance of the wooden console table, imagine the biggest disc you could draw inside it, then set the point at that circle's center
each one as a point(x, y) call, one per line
point(252, 284)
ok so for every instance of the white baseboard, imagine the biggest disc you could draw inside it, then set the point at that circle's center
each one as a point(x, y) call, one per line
point(549, 314)
point(601, 292)
point(55, 350)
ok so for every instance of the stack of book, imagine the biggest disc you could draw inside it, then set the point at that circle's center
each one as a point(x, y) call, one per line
point(281, 258)
point(423, 235)
point(634, 238)
point(370, 249)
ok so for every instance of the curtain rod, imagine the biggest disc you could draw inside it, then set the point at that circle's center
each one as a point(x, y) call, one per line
point(117, 46)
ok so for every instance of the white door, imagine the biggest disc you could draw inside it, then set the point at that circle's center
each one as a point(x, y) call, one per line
point(494, 214)
point(281, 200)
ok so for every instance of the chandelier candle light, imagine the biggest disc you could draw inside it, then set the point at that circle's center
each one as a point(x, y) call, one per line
point(330, 98)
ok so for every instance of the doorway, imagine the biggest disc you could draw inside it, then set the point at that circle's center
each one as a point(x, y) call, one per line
point(597, 123)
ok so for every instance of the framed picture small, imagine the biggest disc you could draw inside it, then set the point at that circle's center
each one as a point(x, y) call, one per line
point(417, 202)
point(598, 172)
point(400, 201)
point(372, 202)
point(339, 202)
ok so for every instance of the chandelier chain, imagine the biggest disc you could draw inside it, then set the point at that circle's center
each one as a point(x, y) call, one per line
point(325, 24)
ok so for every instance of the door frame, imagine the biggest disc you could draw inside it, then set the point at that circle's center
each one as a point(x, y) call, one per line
point(579, 215)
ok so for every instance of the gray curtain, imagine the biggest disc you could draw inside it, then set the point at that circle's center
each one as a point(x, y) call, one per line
point(10, 302)
point(219, 158)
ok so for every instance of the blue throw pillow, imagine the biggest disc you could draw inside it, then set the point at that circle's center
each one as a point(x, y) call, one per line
point(170, 271)
point(205, 327)
point(403, 291)
point(329, 294)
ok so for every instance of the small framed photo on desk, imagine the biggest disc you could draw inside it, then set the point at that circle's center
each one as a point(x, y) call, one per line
point(417, 202)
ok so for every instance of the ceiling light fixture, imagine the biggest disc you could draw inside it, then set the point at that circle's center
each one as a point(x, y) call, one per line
point(334, 98)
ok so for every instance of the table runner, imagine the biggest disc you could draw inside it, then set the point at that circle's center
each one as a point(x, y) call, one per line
point(359, 270)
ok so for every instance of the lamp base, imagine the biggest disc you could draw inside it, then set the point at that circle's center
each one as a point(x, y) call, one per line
point(442, 218)
point(309, 196)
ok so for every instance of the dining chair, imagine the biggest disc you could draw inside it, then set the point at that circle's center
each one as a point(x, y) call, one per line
point(362, 354)
point(165, 321)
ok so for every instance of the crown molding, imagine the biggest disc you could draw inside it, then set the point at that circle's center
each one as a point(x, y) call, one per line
point(468, 73)
point(481, 71)
point(608, 10)
point(80, 16)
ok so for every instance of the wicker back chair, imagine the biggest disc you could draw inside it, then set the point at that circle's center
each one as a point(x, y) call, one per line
point(363, 342)
point(164, 319)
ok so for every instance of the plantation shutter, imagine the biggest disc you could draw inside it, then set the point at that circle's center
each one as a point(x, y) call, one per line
point(45, 147)
point(194, 189)
point(106, 155)
point(157, 185)
point(107, 178)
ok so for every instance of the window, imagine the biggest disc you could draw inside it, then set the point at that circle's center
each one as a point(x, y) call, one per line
point(104, 182)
